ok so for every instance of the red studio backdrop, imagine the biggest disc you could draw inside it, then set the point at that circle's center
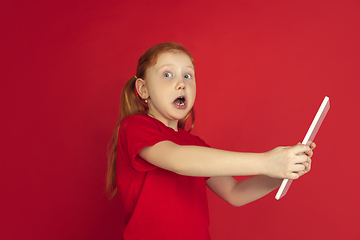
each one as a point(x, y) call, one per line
point(262, 70)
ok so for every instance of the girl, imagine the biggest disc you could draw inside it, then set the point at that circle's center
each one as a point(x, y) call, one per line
point(160, 170)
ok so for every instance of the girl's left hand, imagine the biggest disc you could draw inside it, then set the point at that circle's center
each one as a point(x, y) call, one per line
point(307, 164)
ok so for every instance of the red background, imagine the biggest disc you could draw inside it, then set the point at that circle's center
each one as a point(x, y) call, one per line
point(263, 68)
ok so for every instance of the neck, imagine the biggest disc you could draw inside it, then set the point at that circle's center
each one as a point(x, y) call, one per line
point(173, 125)
point(169, 123)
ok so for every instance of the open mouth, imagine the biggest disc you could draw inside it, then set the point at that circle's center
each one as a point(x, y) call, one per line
point(180, 101)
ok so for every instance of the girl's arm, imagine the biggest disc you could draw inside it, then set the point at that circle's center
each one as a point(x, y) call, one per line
point(243, 192)
point(248, 190)
point(281, 162)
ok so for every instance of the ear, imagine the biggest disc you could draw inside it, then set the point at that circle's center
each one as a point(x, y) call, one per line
point(141, 88)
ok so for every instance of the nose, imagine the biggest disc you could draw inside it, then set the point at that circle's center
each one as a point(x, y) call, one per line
point(180, 84)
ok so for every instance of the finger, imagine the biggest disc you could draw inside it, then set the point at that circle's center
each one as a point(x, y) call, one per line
point(299, 167)
point(301, 158)
point(300, 148)
point(293, 175)
point(307, 167)
point(312, 145)
point(309, 163)
point(309, 153)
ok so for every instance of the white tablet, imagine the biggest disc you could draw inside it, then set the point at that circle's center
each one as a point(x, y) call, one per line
point(309, 137)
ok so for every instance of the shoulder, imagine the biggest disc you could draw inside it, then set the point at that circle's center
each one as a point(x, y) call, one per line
point(138, 121)
point(140, 125)
point(193, 139)
point(135, 118)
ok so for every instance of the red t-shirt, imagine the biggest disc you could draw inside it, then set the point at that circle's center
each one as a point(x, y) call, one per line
point(158, 204)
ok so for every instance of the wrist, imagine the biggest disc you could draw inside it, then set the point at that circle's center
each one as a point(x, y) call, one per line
point(263, 163)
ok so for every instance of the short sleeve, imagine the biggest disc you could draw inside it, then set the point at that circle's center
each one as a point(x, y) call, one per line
point(137, 132)
point(203, 143)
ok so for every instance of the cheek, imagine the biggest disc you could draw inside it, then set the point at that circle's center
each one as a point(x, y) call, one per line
point(157, 90)
point(193, 90)
point(192, 94)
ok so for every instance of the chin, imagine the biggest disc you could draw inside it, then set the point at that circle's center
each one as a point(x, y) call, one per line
point(180, 116)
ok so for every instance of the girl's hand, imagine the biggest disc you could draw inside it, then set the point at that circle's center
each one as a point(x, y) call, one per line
point(289, 162)
point(307, 164)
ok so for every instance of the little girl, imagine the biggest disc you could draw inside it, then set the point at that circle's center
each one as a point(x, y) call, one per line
point(160, 170)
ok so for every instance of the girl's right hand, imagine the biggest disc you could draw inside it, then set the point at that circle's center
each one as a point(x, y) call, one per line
point(286, 162)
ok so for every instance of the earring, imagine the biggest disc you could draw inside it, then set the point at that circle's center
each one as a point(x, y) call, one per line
point(145, 100)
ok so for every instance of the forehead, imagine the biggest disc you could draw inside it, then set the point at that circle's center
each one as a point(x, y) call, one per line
point(173, 58)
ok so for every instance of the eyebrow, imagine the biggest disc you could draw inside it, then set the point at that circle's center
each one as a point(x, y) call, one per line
point(171, 65)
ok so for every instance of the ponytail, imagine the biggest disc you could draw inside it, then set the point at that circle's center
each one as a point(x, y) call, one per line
point(129, 105)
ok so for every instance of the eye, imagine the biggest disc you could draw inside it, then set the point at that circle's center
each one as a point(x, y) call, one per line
point(187, 76)
point(167, 74)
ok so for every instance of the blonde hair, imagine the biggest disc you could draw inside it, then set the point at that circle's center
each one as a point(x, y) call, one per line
point(130, 104)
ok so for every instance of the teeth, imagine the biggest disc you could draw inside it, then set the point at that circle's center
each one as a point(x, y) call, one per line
point(180, 101)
